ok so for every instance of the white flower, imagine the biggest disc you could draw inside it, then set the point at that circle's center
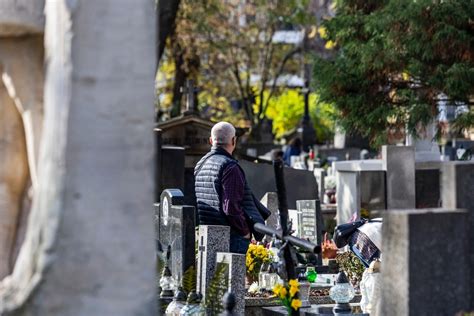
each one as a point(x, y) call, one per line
point(254, 288)
point(329, 182)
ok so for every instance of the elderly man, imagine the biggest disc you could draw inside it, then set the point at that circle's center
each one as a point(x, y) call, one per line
point(222, 193)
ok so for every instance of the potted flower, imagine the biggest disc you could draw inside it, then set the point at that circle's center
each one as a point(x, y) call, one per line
point(255, 257)
point(288, 295)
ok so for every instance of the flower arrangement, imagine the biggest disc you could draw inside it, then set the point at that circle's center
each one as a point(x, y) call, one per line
point(288, 295)
point(255, 257)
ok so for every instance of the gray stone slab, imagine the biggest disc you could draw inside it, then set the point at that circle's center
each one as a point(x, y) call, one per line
point(211, 240)
point(270, 200)
point(171, 171)
point(458, 192)
point(347, 196)
point(176, 225)
point(319, 174)
point(399, 164)
point(425, 267)
point(372, 190)
point(236, 277)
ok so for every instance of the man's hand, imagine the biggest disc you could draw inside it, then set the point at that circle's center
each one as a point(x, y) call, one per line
point(248, 236)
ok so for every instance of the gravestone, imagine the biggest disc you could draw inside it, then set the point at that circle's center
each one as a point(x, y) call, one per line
point(399, 164)
point(458, 192)
point(211, 240)
point(270, 201)
point(190, 132)
point(300, 184)
point(425, 267)
point(175, 224)
point(319, 174)
point(372, 190)
point(236, 277)
point(427, 188)
point(310, 222)
point(172, 167)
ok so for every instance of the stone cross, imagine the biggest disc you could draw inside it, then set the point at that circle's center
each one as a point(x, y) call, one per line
point(190, 90)
point(211, 239)
point(175, 225)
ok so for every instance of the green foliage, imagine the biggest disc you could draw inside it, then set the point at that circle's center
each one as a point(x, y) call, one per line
point(463, 122)
point(287, 109)
point(227, 47)
point(351, 265)
point(189, 280)
point(396, 60)
point(218, 286)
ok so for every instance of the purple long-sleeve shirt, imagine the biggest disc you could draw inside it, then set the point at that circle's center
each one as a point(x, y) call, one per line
point(233, 183)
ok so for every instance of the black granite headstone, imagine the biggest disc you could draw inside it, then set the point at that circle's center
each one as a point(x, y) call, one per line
point(175, 225)
point(310, 221)
point(427, 188)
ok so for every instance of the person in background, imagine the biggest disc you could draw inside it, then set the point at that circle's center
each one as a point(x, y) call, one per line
point(222, 193)
point(293, 149)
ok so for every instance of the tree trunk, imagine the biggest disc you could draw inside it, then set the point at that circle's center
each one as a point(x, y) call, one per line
point(166, 16)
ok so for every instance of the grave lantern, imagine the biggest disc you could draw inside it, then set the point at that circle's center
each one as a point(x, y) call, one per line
point(166, 282)
point(177, 304)
point(193, 306)
point(342, 293)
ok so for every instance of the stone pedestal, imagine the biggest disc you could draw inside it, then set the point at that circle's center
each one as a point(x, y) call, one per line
point(236, 277)
point(458, 192)
point(349, 186)
point(424, 265)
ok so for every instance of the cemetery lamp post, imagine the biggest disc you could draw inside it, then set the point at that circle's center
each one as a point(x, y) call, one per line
point(342, 293)
point(308, 134)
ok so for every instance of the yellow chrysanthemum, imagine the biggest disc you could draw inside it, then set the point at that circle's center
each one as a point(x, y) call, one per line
point(294, 282)
point(296, 304)
point(276, 289)
point(293, 290)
